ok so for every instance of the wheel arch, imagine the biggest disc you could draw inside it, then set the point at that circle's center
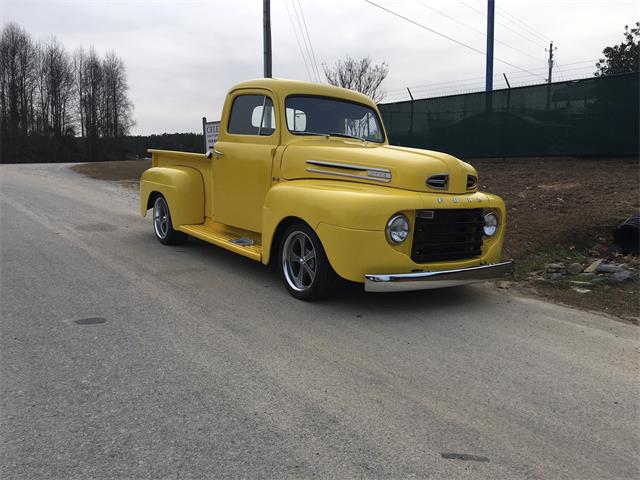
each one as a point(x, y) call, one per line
point(346, 204)
point(152, 199)
point(276, 238)
point(181, 187)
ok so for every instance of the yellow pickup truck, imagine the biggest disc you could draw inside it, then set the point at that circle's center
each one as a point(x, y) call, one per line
point(303, 174)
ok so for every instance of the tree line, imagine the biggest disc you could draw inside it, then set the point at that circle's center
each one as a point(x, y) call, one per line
point(56, 106)
point(137, 146)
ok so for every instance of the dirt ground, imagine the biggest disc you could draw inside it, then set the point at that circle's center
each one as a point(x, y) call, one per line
point(549, 199)
point(126, 171)
point(565, 210)
point(559, 209)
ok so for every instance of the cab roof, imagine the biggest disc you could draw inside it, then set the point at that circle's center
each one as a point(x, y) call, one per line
point(283, 87)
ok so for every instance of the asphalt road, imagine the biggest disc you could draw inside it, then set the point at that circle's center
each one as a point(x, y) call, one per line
point(200, 365)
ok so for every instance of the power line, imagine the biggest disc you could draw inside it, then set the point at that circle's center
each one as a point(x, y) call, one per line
point(446, 36)
point(524, 26)
point(480, 12)
point(474, 29)
point(304, 41)
point(313, 53)
point(522, 23)
point(298, 41)
point(560, 72)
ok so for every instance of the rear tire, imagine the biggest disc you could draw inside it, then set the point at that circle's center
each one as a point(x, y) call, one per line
point(162, 225)
point(304, 267)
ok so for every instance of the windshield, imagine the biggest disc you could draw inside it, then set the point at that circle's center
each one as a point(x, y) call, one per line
point(311, 115)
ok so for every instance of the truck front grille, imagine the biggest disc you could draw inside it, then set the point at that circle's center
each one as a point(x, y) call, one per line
point(442, 235)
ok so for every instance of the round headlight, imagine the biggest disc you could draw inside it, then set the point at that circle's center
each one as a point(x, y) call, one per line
point(490, 224)
point(397, 229)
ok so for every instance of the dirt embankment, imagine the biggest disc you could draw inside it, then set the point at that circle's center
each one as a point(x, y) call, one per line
point(551, 198)
point(565, 210)
point(126, 171)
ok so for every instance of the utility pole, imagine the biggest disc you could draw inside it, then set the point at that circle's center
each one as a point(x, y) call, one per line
point(411, 118)
point(506, 80)
point(490, 22)
point(266, 36)
point(551, 50)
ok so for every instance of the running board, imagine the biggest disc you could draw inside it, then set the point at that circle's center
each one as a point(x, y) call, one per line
point(237, 241)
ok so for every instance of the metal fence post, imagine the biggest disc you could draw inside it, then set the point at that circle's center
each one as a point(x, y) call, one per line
point(204, 132)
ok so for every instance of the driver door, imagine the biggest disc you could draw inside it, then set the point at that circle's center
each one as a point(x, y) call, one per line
point(243, 163)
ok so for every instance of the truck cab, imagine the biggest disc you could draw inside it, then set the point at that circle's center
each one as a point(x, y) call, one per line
point(303, 174)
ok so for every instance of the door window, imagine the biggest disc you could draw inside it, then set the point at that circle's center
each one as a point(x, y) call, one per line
point(252, 115)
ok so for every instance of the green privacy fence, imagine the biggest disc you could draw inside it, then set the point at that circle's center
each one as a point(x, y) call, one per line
point(594, 116)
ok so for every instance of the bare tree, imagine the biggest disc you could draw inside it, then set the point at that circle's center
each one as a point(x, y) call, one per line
point(79, 61)
point(17, 64)
point(45, 95)
point(60, 88)
point(102, 98)
point(359, 75)
point(116, 104)
point(91, 86)
point(42, 101)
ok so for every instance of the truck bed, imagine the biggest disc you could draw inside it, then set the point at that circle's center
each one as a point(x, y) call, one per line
point(197, 161)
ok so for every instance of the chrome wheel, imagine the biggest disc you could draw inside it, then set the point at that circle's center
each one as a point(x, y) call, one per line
point(299, 261)
point(161, 218)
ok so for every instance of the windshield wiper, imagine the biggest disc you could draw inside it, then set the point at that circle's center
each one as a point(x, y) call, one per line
point(345, 135)
point(331, 134)
point(310, 133)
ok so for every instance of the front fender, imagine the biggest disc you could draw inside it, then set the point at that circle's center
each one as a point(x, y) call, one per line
point(182, 187)
point(350, 219)
point(346, 204)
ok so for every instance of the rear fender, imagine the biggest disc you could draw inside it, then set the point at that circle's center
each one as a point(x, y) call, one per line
point(182, 187)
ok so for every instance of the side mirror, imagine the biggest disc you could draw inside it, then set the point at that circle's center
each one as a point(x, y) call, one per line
point(209, 154)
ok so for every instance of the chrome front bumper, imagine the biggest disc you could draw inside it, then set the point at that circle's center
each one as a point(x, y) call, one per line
point(397, 282)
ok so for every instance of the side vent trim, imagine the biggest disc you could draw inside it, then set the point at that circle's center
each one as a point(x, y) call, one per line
point(439, 181)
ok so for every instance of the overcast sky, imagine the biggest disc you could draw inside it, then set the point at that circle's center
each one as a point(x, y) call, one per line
point(182, 56)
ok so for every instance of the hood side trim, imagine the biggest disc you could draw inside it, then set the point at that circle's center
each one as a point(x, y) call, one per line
point(349, 175)
point(348, 166)
point(371, 173)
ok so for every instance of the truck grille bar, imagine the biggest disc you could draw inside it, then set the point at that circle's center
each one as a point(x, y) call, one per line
point(454, 234)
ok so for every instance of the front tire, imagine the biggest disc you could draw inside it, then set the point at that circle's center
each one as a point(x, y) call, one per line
point(303, 264)
point(162, 225)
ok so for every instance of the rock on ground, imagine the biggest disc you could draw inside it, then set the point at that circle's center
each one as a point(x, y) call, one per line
point(609, 268)
point(574, 268)
point(625, 276)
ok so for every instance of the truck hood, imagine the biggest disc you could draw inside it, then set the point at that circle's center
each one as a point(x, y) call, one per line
point(398, 167)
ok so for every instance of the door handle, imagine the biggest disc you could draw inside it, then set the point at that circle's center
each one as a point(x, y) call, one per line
point(218, 153)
